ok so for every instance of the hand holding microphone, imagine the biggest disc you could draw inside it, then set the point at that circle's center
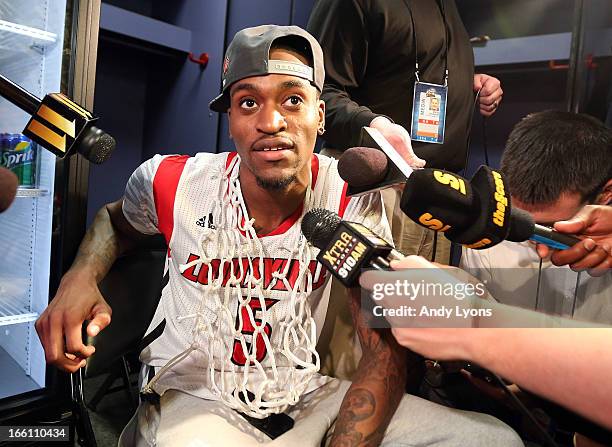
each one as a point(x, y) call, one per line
point(498, 345)
point(593, 252)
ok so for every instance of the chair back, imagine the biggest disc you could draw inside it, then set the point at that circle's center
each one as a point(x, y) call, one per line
point(132, 289)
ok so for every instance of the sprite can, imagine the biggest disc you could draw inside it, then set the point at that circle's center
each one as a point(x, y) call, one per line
point(19, 155)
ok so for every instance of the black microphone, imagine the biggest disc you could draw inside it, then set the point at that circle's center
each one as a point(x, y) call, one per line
point(523, 227)
point(60, 125)
point(8, 188)
point(346, 247)
point(473, 213)
point(476, 213)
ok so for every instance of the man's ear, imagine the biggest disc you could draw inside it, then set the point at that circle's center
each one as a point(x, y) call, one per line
point(605, 196)
point(321, 111)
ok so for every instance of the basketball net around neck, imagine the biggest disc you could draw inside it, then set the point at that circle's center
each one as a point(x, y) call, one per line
point(291, 363)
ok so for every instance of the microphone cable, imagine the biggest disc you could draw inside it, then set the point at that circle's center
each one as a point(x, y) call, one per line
point(469, 136)
point(576, 293)
point(434, 246)
point(484, 138)
point(484, 141)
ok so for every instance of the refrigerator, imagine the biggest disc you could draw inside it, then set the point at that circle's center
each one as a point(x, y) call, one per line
point(46, 46)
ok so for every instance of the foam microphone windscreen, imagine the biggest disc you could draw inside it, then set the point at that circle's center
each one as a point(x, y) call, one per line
point(96, 145)
point(522, 225)
point(491, 219)
point(363, 166)
point(8, 188)
point(438, 199)
point(373, 166)
point(319, 226)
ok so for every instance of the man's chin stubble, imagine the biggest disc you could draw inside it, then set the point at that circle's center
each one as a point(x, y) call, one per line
point(277, 184)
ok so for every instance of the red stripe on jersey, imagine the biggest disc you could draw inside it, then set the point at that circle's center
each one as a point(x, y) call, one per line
point(344, 201)
point(165, 184)
point(287, 223)
point(314, 168)
point(230, 157)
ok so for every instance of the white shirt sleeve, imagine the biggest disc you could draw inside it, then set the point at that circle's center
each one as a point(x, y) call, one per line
point(138, 201)
point(369, 211)
point(478, 264)
point(471, 260)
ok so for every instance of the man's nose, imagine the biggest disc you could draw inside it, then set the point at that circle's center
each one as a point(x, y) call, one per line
point(271, 121)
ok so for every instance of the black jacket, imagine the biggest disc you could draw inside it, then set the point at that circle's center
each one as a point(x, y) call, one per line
point(369, 55)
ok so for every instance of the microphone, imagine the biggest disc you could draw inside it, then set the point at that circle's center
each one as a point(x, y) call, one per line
point(468, 212)
point(8, 188)
point(362, 167)
point(367, 169)
point(473, 213)
point(346, 247)
point(477, 213)
point(523, 227)
point(60, 125)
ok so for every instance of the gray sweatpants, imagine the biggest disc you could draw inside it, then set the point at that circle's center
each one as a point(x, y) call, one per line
point(184, 420)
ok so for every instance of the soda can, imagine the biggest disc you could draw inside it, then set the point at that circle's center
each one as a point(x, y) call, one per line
point(5, 144)
point(20, 156)
point(4, 141)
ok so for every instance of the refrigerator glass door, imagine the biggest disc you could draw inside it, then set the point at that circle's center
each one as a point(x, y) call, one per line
point(31, 44)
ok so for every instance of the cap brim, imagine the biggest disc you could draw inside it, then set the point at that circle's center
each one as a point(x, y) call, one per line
point(220, 104)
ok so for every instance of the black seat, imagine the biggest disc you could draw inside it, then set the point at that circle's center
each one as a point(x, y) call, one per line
point(132, 288)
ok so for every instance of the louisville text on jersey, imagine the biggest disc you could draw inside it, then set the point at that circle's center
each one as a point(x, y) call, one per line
point(199, 272)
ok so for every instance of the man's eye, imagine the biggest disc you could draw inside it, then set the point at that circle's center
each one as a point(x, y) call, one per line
point(248, 103)
point(294, 100)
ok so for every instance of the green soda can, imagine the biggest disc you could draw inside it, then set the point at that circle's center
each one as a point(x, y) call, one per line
point(20, 156)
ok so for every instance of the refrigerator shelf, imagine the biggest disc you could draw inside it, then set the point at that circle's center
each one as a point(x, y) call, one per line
point(19, 38)
point(11, 313)
point(31, 192)
point(40, 36)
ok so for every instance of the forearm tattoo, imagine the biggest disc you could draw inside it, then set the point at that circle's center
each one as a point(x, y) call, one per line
point(377, 388)
point(100, 245)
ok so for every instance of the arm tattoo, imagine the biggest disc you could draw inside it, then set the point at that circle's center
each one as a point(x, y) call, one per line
point(377, 388)
point(101, 245)
point(361, 405)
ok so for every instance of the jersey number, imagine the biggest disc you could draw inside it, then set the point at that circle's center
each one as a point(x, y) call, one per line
point(239, 357)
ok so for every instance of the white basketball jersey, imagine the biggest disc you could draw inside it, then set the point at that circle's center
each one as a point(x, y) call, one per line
point(243, 311)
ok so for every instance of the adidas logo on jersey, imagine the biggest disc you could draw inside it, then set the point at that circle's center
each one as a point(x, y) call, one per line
point(206, 222)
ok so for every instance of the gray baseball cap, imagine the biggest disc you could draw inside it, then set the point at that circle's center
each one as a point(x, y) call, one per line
point(249, 55)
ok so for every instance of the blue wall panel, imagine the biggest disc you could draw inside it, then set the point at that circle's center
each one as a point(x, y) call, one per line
point(301, 12)
point(120, 98)
point(178, 116)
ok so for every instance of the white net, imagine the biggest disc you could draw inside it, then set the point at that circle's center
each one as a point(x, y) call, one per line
point(272, 372)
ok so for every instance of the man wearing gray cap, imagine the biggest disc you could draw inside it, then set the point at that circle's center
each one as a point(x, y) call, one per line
point(236, 362)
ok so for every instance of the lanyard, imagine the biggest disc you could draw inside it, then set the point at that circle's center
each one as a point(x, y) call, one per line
point(440, 4)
